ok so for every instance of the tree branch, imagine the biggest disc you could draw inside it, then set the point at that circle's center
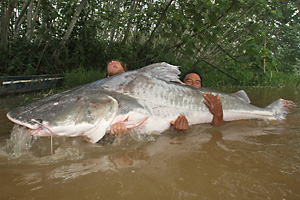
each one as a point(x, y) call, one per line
point(178, 45)
point(157, 25)
point(219, 69)
point(227, 53)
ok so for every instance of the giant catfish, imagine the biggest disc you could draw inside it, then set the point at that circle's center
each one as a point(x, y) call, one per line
point(147, 98)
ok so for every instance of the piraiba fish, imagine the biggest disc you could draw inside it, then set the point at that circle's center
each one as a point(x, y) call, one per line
point(147, 98)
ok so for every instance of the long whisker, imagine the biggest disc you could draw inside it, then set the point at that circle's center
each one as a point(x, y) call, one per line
point(51, 137)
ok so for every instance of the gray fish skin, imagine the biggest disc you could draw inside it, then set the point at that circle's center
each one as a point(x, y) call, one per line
point(148, 98)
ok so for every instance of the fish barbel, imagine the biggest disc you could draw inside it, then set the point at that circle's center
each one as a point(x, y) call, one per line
point(147, 98)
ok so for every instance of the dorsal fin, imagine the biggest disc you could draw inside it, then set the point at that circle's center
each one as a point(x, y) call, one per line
point(163, 71)
point(242, 95)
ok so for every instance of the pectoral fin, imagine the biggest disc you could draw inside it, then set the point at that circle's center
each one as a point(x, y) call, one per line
point(108, 113)
point(131, 120)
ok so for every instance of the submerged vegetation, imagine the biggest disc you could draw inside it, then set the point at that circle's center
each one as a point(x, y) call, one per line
point(230, 43)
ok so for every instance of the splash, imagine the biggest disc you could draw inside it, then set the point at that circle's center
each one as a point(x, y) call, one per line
point(20, 142)
point(42, 125)
point(24, 148)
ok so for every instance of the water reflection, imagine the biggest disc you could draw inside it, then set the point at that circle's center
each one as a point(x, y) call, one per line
point(251, 159)
point(204, 138)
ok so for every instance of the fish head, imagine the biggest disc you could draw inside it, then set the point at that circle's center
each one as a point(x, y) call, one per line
point(88, 116)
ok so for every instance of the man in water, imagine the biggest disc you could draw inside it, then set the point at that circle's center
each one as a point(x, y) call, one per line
point(115, 67)
point(213, 103)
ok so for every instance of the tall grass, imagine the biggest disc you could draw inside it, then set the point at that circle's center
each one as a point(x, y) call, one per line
point(81, 76)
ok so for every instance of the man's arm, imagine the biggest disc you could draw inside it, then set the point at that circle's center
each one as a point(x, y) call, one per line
point(215, 107)
point(181, 123)
point(118, 128)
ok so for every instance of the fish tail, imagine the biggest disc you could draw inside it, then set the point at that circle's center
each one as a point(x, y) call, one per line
point(280, 108)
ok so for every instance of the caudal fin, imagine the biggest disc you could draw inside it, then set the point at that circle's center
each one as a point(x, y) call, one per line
point(281, 108)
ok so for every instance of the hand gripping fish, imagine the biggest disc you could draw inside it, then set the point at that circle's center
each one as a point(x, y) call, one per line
point(147, 98)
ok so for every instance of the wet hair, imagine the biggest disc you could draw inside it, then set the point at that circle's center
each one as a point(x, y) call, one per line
point(191, 72)
point(122, 64)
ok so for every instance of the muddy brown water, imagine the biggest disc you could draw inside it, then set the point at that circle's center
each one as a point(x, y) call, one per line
point(251, 159)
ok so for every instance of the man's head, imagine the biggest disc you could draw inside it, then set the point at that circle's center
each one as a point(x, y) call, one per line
point(192, 78)
point(115, 67)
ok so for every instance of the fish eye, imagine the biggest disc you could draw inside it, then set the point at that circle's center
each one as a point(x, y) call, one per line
point(39, 120)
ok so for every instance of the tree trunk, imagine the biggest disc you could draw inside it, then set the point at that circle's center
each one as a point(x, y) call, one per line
point(265, 46)
point(21, 19)
point(106, 29)
point(2, 15)
point(137, 24)
point(132, 13)
point(72, 23)
point(29, 16)
point(33, 20)
point(69, 31)
point(5, 24)
point(116, 18)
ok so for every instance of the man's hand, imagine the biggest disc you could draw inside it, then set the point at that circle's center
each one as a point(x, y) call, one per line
point(215, 107)
point(181, 123)
point(118, 128)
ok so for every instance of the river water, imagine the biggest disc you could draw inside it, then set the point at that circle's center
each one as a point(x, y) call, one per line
point(250, 159)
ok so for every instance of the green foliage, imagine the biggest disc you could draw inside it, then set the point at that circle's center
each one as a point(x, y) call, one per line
point(246, 40)
point(81, 76)
point(213, 79)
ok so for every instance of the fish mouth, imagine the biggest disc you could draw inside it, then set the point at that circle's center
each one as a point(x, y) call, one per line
point(30, 125)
